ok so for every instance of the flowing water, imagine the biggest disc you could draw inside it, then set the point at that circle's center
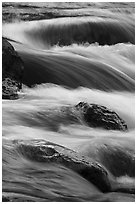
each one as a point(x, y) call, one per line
point(70, 59)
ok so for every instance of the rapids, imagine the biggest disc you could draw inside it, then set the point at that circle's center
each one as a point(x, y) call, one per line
point(68, 60)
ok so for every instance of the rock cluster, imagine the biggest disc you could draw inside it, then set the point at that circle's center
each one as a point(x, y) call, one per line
point(12, 71)
point(99, 116)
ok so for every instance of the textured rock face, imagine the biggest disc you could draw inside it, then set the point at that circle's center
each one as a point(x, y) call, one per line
point(12, 71)
point(99, 116)
point(9, 89)
point(43, 151)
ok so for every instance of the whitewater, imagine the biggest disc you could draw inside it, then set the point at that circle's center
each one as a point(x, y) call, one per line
point(68, 60)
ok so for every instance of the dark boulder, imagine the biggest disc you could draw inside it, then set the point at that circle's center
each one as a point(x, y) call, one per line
point(12, 71)
point(100, 116)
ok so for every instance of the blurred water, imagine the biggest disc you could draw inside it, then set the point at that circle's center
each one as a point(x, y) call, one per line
point(70, 68)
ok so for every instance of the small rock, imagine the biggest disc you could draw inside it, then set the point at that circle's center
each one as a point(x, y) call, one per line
point(100, 116)
point(9, 89)
point(12, 71)
point(5, 199)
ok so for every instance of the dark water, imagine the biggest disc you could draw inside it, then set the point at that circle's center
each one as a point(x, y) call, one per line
point(82, 52)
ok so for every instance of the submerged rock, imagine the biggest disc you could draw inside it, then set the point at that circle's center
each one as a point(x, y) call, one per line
point(43, 151)
point(12, 71)
point(100, 116)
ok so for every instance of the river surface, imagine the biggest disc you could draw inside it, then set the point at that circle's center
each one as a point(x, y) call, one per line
point(72, 52)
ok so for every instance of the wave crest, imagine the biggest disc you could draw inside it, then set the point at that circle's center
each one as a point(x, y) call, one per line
point(46, 33)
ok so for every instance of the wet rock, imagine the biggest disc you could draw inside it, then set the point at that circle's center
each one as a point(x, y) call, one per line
point(12, 71)
point(43, 151)
point(5, 199)
point(100, 116)
point(9, 89)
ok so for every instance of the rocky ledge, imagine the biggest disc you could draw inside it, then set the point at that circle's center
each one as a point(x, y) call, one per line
point(99, 116)
point(12, 71)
